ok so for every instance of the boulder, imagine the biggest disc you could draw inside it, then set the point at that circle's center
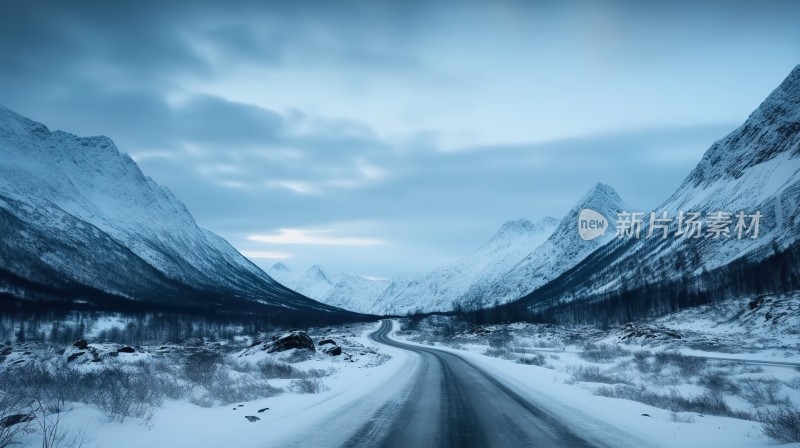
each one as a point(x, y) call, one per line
point(81, 344)
point(333, 350)
point(294, 339)
point(126, 350)
point(327, 341)
point(252, 418)
point(75, 356)
point(15, 419)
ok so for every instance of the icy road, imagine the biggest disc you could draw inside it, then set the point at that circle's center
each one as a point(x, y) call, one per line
point(453, 403)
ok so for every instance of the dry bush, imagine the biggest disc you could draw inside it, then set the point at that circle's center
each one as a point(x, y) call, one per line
point(782, 424)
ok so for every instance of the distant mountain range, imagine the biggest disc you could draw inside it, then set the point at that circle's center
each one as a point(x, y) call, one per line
point(534, 267)
point(81, 224)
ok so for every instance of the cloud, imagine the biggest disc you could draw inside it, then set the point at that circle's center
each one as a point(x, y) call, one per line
point(435, 122)
point(255, 254)
point(314, 237)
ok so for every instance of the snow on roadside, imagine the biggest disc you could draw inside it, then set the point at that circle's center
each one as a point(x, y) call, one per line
point(290, 415)
point(589, 414)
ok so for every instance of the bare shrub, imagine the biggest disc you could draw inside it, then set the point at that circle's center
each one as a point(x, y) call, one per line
point(308, 386)
point(688, 365)
point(593, 374)
point(602, 352)
point(225, 389)
point(299, 355)
point(200, 367)
point(121, 393)
point(706, 403)
point(537, 359)
point(782, 424)
point(763, 391)
point(500, 338)
point(271, 369)
point(641, 359)
point(718, 383)
point(15, 418)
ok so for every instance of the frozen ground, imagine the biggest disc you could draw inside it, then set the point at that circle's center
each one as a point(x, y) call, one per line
point(211, 410)
point(703, 377)
point(658, 381)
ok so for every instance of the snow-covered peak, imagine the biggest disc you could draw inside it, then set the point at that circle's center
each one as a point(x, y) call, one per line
point(283, 274)
point(314, 283)
point(441, 288)
point(771, 130)
point(562, 250)
point(356, 293)
point(92, 207)
point(512, 229)
point(279, 267)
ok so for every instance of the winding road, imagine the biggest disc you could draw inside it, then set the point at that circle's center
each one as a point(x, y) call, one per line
point(452, 403)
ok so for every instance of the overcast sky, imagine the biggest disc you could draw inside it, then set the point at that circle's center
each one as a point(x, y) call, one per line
point(388, 138)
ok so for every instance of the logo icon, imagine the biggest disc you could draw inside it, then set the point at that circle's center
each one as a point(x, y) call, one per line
point(591, 224)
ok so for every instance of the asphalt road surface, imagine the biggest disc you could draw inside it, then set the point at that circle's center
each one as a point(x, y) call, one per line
point(452, 403)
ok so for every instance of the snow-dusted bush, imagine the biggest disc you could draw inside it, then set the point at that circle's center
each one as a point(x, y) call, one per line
point(602, 352)
point(782, 424)
point(688, 365)
point(15, 418)
point(593, 374)
point(762, 391)
point(200, 367)
point(718, 383)
point(271, 369)
point(308, 386)
point(641, 359)
point(537, 359)
point(123, 392)
point(706, 403)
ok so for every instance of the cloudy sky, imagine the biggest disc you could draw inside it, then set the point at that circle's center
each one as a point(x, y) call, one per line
point(387, 138)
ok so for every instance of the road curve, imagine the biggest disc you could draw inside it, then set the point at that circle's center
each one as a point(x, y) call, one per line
point(452, 403)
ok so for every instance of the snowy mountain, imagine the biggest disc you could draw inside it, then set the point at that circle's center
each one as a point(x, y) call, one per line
point(349, 292)
point(562, 250)
point(80, 220)
point(315, 283)
point(356, 293)
point(441, 288)
point(754, 169)
point(283, 274)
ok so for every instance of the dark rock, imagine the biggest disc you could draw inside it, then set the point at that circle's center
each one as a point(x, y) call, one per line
point(15, 419)
point(756, 303)
point(252, 418)
point(81, 344)
point(241, 406)
point(126, 350)
point(262, 410)
point(334, 350)
point(296, 339)
point(235, 409)
point(646, 415)
point(75, 356)
point(327, 341)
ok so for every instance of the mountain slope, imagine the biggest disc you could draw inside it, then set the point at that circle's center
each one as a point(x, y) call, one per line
point(756, 168)
point(356, 293)
point(562, 250)
point(439, 289)
point(75, 211)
